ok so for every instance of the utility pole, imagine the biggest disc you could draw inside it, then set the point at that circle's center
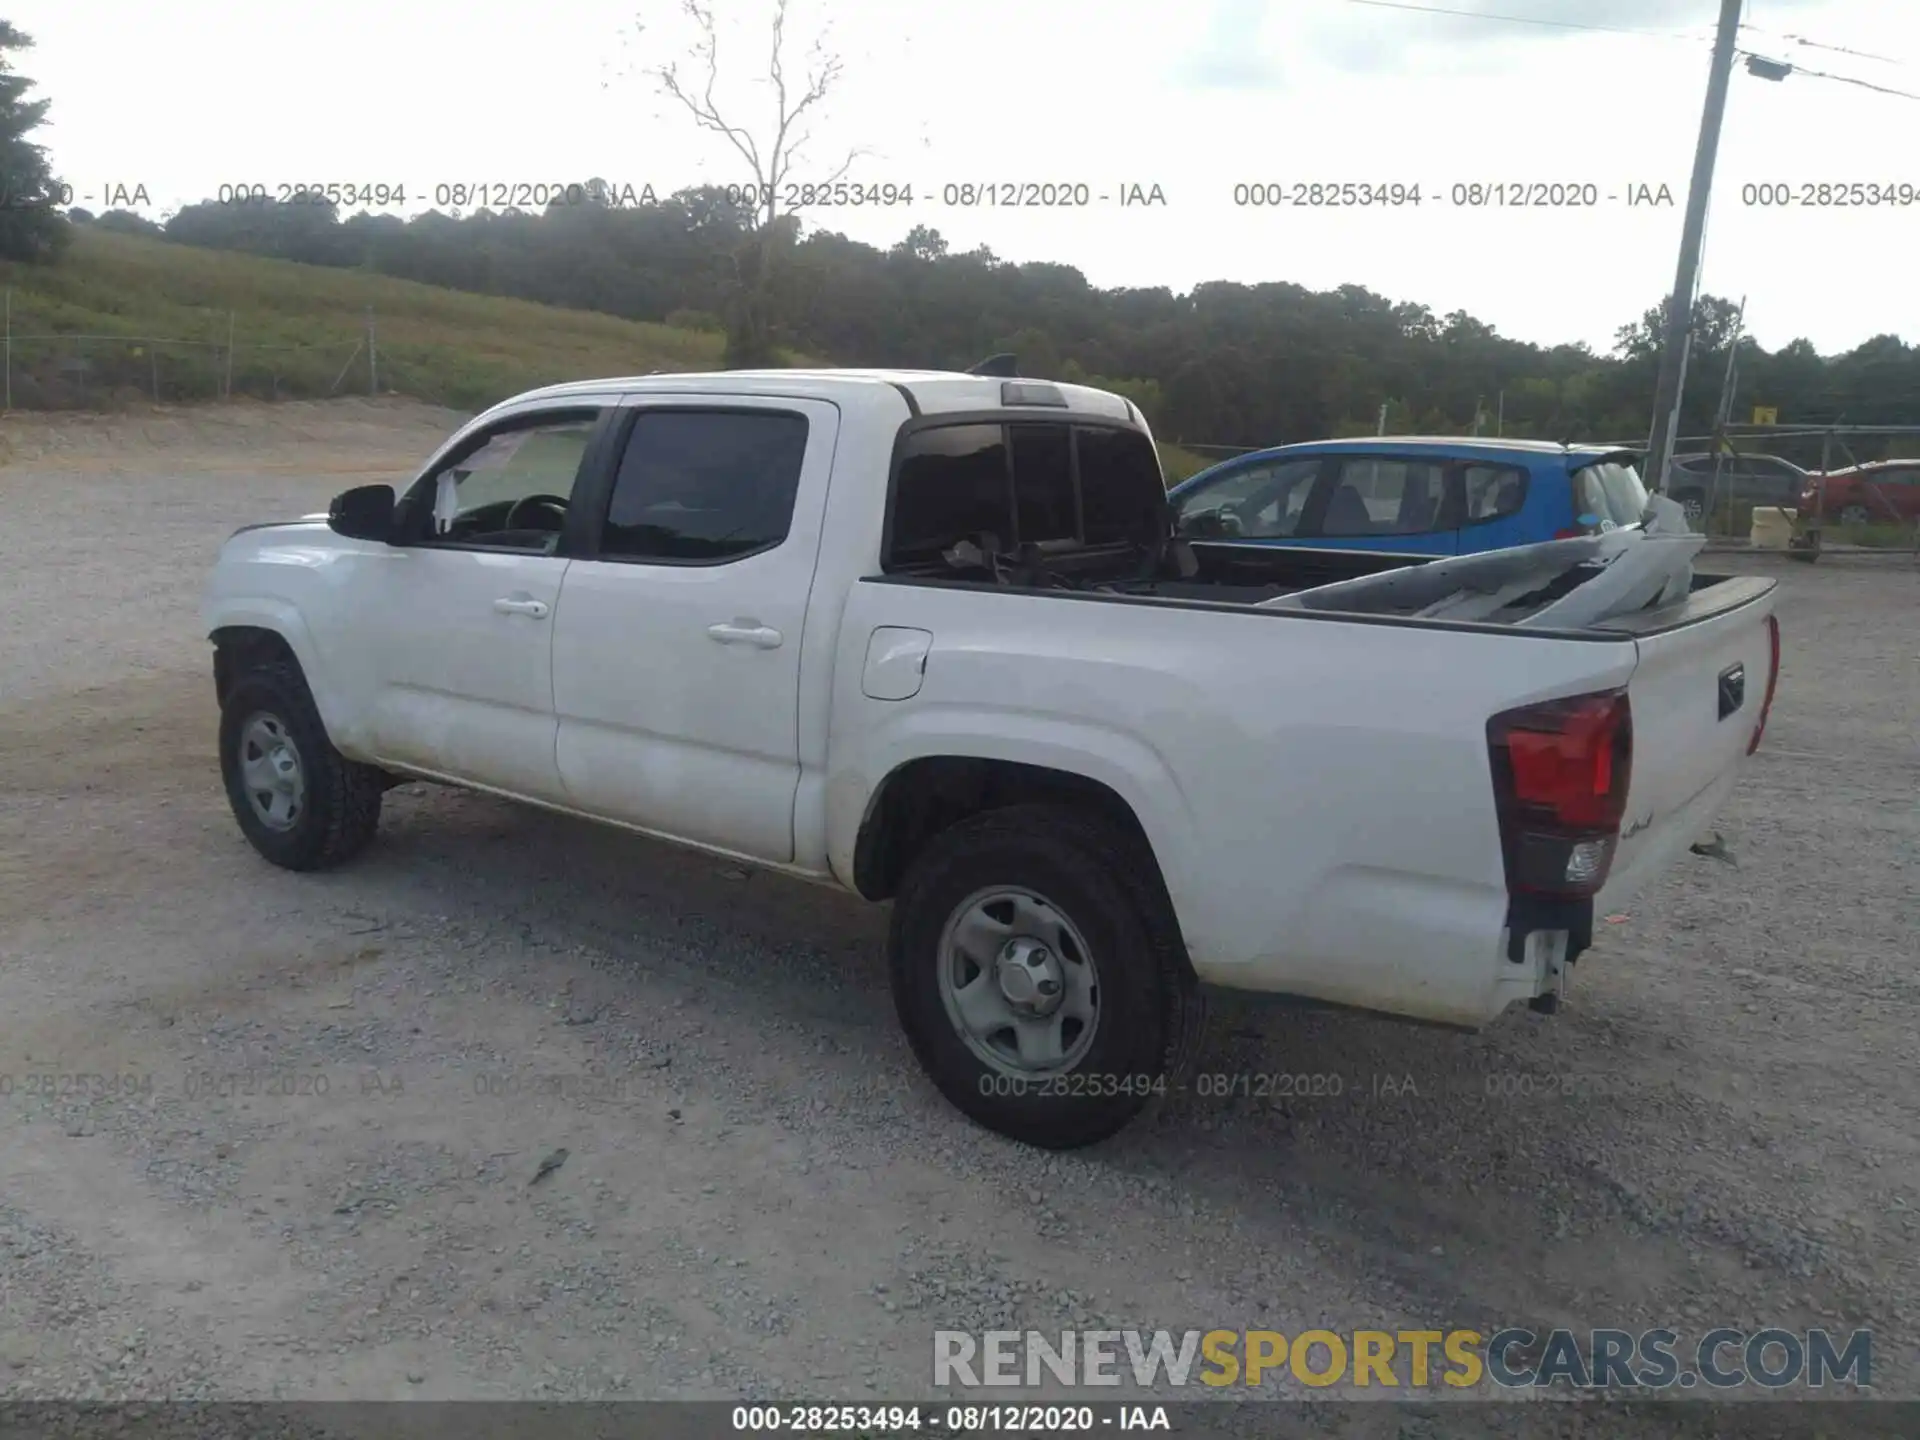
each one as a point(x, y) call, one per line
point(1673, 347)
point(1723, 415)
point(373, 358)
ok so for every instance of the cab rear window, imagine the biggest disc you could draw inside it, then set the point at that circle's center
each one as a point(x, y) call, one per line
point(1022, 481)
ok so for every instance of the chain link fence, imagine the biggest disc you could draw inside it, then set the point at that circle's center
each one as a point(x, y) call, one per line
point(45, 368)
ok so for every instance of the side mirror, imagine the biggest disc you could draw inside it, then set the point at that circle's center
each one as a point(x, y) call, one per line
point(363, 513)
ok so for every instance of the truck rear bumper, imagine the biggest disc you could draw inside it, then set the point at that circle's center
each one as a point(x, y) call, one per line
point(1446, 953)
point(1540, 978)
point(1394, 944)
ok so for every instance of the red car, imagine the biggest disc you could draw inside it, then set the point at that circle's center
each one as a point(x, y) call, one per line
point(1884, 490)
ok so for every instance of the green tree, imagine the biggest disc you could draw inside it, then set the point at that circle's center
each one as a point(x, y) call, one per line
point(1222, 365)
point(31, 228)
point(922, 242)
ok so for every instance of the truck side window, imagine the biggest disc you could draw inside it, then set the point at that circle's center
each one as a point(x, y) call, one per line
point(509, 490)
point(705, 485)
point(954, 483)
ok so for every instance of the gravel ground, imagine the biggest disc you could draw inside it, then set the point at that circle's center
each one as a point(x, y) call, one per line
point(296, 1161)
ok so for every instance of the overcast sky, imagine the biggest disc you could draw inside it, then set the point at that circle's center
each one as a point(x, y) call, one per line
point(1196, 96)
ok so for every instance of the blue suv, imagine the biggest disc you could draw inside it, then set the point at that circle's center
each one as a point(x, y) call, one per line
point(1412, 495)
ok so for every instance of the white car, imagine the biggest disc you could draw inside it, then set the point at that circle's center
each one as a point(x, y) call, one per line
point(928, 637)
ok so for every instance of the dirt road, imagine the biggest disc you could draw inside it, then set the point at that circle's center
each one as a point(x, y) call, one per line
point(266, 1135)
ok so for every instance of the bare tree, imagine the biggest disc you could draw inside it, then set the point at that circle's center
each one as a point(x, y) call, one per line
point(771, 152)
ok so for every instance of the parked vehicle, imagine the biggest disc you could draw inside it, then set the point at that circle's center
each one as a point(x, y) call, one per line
point(1744, 479)
point(1884, 490)
point(1412, 495)
point(929, 638)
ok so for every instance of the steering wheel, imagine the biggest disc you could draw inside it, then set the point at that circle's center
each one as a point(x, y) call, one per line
point(1221, 523)
point(555, 503)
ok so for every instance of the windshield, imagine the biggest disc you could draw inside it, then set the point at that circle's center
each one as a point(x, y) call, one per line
point(1611, 492)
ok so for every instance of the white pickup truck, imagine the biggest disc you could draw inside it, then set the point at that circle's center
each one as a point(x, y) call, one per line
point(931, 638)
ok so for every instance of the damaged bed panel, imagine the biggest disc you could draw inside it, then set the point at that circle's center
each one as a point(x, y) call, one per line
point(1562, 584)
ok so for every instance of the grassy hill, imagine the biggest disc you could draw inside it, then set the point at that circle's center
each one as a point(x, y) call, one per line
point(295, 329)
point(156, 315)
point(1180, 464)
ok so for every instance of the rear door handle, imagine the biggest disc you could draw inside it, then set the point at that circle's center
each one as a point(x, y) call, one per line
point(745, 632)
point(536, 608)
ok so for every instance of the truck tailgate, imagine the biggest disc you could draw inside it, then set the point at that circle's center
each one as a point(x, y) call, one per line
point(1698, 693)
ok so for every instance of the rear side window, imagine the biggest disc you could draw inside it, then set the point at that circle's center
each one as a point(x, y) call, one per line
point(1385, 497)
point(705, 485)
point(1610, 492)
point(1492, 492)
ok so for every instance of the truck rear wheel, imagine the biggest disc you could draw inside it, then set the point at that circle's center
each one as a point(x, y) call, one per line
point(300, 802)
point(1036, 987)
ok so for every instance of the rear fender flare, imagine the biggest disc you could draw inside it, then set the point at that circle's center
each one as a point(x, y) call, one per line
point(1123, 763)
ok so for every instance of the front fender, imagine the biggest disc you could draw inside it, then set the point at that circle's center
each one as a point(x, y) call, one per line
point(280, 618)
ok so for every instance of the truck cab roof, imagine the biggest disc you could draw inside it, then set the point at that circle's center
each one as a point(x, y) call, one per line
point(926, 392)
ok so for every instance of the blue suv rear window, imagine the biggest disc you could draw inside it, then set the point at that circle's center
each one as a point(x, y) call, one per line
point(1611, 492)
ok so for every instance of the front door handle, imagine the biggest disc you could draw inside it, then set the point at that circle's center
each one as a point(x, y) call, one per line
point(746, 632)
point(536, 608)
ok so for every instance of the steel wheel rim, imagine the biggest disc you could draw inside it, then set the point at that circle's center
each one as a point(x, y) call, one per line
point(271, 772)
point(1695, 509)
point(1855, 515)
point(999, 952)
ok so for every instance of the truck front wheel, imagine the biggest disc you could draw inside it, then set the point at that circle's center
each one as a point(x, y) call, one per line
point(300, 802)
point(1034, 984)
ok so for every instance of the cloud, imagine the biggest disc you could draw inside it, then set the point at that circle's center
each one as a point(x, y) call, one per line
point(1231, 55)
point(1244, 40)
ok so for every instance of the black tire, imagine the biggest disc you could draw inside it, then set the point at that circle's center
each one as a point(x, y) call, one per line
point(340, 809)
point(1100, 879)
point(1856, 515)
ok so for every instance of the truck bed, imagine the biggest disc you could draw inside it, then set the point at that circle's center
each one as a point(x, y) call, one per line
point(1624, 582)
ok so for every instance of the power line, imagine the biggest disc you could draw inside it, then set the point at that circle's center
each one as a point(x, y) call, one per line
point(1526, 20)
point(1863, 84)
point(1843, 50)
point(1822, 45)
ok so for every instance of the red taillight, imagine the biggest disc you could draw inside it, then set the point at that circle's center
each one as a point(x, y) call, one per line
point(1560, 773)
point(1574, 534)
point(1773, 681)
